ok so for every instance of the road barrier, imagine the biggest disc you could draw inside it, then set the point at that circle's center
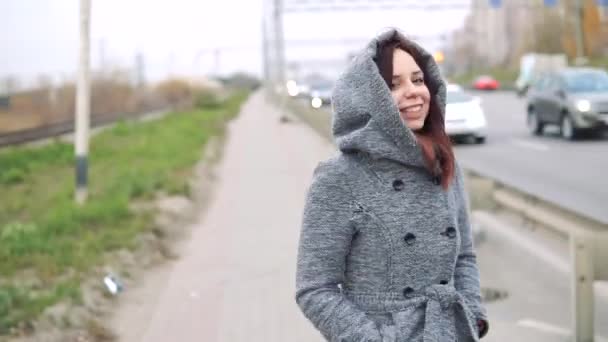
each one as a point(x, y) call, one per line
point(588, 240)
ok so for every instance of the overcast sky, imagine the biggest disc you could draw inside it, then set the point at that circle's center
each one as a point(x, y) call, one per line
point(41, 36)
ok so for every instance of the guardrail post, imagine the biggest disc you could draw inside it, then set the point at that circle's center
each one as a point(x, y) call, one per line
point(600, 256)
point(581, 253)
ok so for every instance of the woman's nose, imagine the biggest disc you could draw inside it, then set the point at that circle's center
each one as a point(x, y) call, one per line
point(409, 90)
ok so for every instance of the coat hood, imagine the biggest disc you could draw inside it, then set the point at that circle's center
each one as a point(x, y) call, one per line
point(365, 118)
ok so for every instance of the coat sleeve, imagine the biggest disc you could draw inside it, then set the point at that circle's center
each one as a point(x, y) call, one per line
point(466, 275)
point(325, 239)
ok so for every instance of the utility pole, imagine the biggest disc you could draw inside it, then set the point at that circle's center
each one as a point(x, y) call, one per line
point(216, 62)
point(83, 105)
point(280, 85)
point(102, 54)
point(140, 73)
point(279, 44)
point(265, 57)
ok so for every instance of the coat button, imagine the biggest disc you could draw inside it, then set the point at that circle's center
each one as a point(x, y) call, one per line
point(407, 291)
point(443, 282)
point(449, 232)
point(409, 238)
point(398, 185)
point(437, 180)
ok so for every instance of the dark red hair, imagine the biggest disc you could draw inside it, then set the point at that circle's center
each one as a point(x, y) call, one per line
point(434, 142)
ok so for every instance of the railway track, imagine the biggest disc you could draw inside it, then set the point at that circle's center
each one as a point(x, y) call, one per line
point(59, 128)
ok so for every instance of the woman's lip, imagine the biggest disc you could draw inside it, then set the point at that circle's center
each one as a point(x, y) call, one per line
point(411, 115)
point(412, 109)
point(410, 106)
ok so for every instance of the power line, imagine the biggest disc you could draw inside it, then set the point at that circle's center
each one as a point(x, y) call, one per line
point(373, 7)
point(298, 6)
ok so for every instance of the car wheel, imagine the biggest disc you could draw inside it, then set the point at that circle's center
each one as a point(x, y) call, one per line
point(522, 92)
point(535, 126)
point(567, 128)
point(480, 140)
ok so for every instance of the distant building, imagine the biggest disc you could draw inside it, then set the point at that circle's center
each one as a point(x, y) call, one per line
point(495, 36)
point(500, 36)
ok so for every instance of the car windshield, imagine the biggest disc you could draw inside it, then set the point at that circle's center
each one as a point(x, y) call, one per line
point(587, 81)
point(321, 85)
point(458, 97)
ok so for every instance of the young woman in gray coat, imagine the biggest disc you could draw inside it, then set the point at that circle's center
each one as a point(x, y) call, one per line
point(386, 252)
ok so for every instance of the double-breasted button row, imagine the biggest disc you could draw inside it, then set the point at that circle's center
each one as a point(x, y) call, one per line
point(449, 232)
point(398, 185)
point(436, 180)
point(407, 291)
point(410, 238)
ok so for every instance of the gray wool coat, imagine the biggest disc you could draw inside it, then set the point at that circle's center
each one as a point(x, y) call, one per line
point(385, 253)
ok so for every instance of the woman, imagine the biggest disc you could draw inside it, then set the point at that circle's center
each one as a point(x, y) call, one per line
point(386, 252)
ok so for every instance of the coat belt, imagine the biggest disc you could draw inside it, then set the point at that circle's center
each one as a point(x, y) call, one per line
point(447, 317)
point(441, 303)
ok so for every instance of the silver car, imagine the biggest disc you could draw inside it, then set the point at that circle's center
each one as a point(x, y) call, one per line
point(575, 99)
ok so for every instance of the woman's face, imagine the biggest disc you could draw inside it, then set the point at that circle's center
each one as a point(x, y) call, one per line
point(409, 91)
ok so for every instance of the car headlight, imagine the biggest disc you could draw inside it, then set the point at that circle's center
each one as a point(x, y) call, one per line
point(583, 105)
point(292, 88)
point(316, 103)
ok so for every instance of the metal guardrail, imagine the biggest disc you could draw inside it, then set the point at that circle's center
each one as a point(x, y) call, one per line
point(59, 128)
point(588, 238)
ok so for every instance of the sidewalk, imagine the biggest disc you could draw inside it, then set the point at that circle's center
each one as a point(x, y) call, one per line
point(235, 280)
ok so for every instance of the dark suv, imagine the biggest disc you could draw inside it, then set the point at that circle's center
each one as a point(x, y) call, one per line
point(575, 99)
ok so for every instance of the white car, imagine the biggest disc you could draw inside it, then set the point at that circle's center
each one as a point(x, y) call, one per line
point(464, 117)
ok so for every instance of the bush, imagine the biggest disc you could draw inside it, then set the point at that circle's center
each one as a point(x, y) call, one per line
point(12, 176)
point(174, 91)
point(206, 99)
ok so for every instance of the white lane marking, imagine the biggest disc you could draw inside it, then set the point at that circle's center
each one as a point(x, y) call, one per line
point(601, 288)
point(552, 329)
point(530, 145)
point(544, 327)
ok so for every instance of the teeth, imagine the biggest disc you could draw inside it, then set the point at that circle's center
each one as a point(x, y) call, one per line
point(413, 109)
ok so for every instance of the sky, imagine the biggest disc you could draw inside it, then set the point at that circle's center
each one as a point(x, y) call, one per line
point(179, 37)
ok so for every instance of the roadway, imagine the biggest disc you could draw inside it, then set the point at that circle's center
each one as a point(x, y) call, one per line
point(570, 174)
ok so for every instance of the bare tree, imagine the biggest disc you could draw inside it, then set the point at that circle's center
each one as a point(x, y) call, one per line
point(548, 32)
point(11, 84)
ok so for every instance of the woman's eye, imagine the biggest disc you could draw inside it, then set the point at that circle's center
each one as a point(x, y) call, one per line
point(419, 80)
point(394, 85)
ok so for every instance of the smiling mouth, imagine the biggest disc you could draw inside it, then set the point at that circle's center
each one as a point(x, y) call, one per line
point(411, 111)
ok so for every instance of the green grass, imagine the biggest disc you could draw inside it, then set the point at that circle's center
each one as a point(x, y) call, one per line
point(600, 62)
point(42, 230)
